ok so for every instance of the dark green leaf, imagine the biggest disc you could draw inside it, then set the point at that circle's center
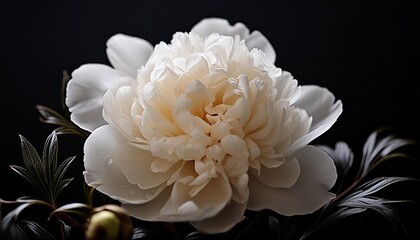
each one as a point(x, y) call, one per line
point(191, 236)
point(31, 158)
point(38, 230)
point(50, 154)
point(275, 228)
point(76, 208)
point(66, 229)
point(377, 147)
point(43, 173)
point(66, 78)
point(65, 126)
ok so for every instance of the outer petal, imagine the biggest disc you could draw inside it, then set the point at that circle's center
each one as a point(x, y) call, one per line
point(103, 171)
point(149, 211)
point(136, 165)
point(208, 26)
point(310, 192)
point(85, 91)
point(284, 176)
point(319, 104)
point(181, 206)
point(259, 41)
point(127, 53)
point(224, 221)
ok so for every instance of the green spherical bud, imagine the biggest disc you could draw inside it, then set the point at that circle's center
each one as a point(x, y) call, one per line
point(109, 222)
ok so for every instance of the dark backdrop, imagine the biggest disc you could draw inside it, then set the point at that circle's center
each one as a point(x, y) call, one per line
point(366, 52)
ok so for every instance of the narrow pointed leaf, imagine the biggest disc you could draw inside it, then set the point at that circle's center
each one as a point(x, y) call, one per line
point(39, 231)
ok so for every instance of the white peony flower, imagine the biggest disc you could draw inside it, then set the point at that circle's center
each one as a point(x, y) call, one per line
point(208, 128)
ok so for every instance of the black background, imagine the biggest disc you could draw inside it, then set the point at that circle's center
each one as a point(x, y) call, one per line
point(366, 52)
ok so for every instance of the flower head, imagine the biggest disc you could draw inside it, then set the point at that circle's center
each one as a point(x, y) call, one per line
point(207, 128)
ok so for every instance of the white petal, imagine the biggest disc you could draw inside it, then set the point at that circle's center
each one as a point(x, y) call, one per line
point(319, 104)
point(119, 107)
point(208, 26)
point(182, 207)
point(309, 193)
point(136, 164)
point(283, 176)
point(103, 172)
point(127, 53)
point(85, 90)
point(259, 41)
point(287, 88)
point(232, 214)
point(149, 211)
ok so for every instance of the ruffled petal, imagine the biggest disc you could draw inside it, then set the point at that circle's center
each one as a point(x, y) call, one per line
point(309, 193)
point(127, 53)
point(208, 26)
point(181, 206)
point(119, 109)
point(136, 164)
point(259, 41)
point(283, 176)
point(84, 92)
point(102, 170)
point(232, 214)
point(319, 103)
point(222, 26)
point(149, 211)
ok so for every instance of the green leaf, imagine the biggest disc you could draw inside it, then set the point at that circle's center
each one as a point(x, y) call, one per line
point(76, 208)
point(274, 227)
point(377, 147)
point(64, 81)
point(44, 173)
point(66, 229)
point(49, 155)
point(38, 230)
point(65, 126)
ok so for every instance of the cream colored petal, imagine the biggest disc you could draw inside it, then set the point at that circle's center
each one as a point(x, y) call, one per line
point(102, 153)
point(287, 88)
point(320, 104)
point(137, 167)
point(118, 106)
point(309, 193)
point(127, 53)
point(259, 41)
point(232, 214)
point(283, 176)
point(208, 26)
point(149, 211)
point(182, 207)
point(85, 90)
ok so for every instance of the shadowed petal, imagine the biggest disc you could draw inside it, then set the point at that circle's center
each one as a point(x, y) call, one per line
point(85, 90)
point(181, 206)
point(102, 170)
point(310, 192)
point(283, 176)
point(232, 214)
point(149, 211)
point(319, 104)
point(127, 53)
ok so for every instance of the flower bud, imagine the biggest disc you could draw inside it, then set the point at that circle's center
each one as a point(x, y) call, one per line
point(109, 222)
